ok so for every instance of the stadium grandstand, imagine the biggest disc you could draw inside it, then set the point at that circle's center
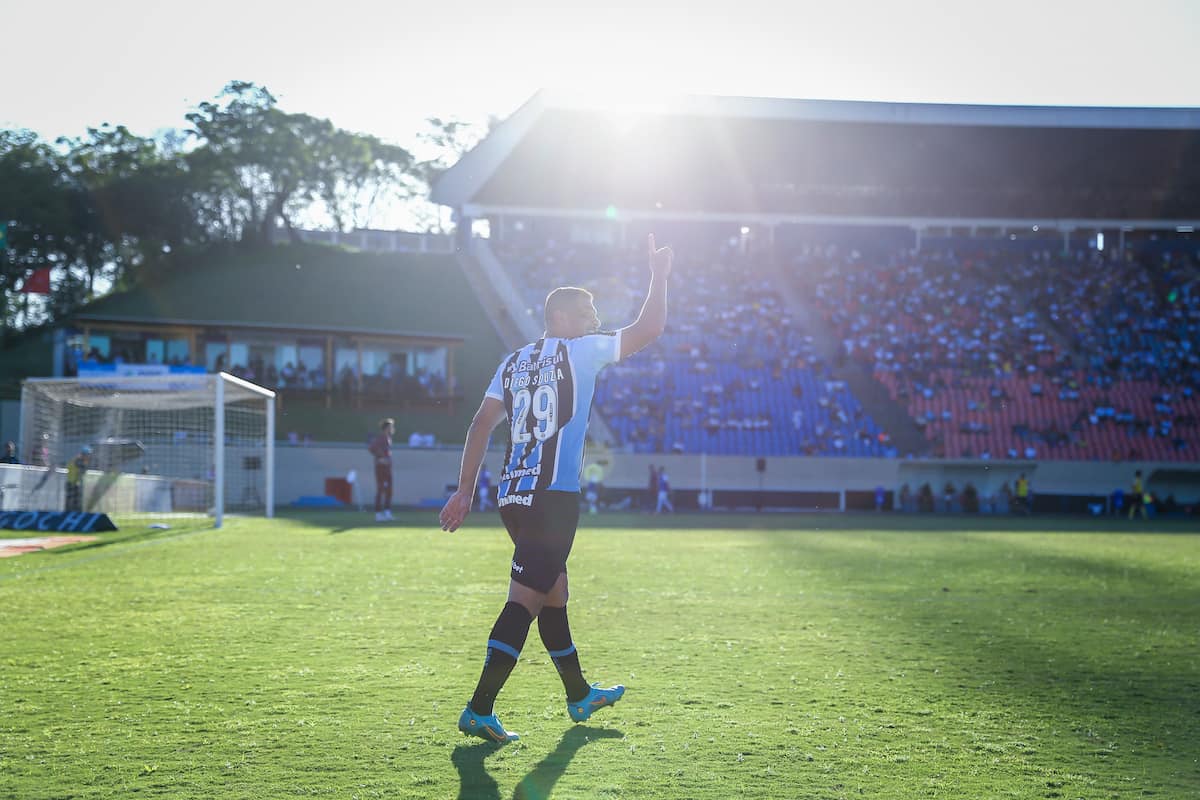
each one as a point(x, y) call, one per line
point(868, 279)
point(867, 295)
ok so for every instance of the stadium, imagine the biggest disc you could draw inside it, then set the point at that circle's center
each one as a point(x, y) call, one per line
point(924, 415)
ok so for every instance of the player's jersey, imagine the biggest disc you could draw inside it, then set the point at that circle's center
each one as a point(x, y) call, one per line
point(547, 388)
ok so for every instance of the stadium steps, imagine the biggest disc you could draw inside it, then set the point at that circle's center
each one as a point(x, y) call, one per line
point(887, 413)
point(490, 285)
point(807, 316)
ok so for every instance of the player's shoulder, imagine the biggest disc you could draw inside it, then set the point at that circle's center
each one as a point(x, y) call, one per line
point(596, 339)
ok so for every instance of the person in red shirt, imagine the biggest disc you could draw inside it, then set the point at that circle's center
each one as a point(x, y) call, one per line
point(381, 449)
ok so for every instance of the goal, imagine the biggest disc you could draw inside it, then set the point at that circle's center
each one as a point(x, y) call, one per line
point(155, 446)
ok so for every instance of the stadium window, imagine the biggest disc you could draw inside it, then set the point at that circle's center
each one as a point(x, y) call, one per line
point(345, 364)
point(239, 355)
point(313, 355)
point(285, 355)
point(130, 348)
point(216, 356)
point(259, 359)
point(155, 351)
point(177, 351)
point(99, 345)
point(431, 360)
point(312, 360)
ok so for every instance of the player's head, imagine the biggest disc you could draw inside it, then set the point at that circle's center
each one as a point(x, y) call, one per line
point(570, 312)
point(387, 425)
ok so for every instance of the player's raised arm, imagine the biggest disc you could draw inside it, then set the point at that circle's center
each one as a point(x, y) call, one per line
point(653, 319)
point(490, 412)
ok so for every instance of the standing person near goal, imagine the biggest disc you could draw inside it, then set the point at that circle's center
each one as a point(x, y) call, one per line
point(544, 392)
point(76, 470)
point(381, 448)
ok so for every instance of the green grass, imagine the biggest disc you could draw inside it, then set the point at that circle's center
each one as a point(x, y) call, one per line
point(766, 656)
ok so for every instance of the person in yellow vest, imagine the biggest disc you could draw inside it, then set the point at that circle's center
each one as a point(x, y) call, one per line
point(1022, 498)
point(1137, 495)
point(76, 469)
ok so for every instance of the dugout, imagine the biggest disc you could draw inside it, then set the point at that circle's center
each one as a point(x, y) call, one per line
point(1182, 483)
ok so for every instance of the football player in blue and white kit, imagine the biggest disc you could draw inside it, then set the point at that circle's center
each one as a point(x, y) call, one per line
point(544, 392)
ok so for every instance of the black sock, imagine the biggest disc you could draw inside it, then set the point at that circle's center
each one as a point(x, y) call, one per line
point(556, 635)
point(503, 650)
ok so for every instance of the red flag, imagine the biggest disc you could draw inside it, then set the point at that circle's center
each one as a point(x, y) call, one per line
point(37, 283)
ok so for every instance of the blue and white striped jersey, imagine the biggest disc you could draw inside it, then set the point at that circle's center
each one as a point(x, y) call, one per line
point(547, 389)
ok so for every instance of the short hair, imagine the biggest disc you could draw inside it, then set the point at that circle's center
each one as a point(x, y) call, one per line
point(385, 422)
point(562, 299)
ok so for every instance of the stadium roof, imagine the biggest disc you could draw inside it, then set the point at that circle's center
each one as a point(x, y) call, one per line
point(776, 160)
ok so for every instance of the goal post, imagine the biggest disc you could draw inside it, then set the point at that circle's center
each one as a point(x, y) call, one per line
point(150, 446)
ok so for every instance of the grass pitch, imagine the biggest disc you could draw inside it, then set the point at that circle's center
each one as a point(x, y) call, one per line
point(766, 656)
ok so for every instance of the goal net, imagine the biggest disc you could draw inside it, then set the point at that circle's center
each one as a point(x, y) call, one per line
point(151, 446)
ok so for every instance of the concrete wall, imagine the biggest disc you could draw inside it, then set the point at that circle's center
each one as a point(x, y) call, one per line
point(424, 475)
point(421, 474)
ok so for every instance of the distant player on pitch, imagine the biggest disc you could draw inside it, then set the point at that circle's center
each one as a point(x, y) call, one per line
point(544, 392)
point(381, 448)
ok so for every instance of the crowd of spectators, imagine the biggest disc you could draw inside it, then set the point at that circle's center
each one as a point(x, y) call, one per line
point(734, 372)
point(1024, 354)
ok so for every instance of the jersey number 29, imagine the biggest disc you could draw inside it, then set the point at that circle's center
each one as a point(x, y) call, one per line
point(543, 403)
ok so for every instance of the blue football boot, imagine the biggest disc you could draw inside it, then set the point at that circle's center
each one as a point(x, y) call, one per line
point(485, 727)
point(596, 699)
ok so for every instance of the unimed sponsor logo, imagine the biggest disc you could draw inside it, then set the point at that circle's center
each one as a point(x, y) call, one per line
point(522, 499)
point(71, 521)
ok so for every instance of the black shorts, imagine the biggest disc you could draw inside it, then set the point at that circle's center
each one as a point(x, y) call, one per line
point(542, 533)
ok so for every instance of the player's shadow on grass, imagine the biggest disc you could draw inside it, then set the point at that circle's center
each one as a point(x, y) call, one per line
point(476, 784)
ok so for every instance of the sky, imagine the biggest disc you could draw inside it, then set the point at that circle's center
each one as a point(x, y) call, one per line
point(383, 68)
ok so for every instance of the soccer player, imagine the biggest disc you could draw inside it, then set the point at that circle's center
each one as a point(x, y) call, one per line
point(544, 392)
point(381, 448)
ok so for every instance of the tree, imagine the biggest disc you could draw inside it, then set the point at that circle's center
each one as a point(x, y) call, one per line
point(445, 141)
point(359, 172)
point(111, 207)
point(39, 203)
point(263, 165)
point(142, 193)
